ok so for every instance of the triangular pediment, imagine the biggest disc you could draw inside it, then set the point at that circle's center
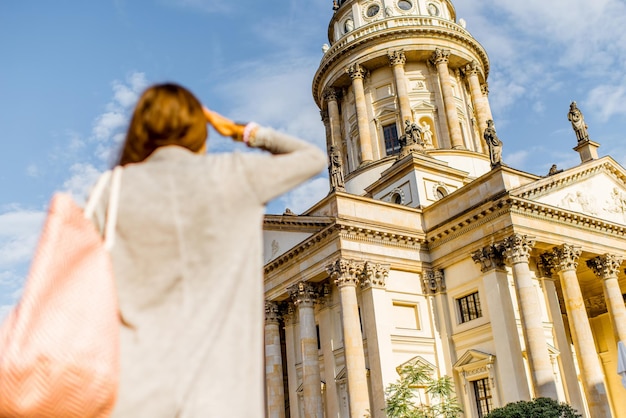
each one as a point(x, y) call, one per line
point(417, 361)
point(423, 105)
point(473, 359)
point(596, 189)
point(386, 111)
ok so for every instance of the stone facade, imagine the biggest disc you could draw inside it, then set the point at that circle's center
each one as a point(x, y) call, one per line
point(508, 282)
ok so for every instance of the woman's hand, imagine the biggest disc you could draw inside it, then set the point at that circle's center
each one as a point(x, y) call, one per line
point(224, 126)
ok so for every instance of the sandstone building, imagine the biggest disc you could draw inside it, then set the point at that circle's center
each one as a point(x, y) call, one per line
point(429, 249)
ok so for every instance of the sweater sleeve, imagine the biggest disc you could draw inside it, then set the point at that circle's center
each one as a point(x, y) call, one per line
point(292, 162)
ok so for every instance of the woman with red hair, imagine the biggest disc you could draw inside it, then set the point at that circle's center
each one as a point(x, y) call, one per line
point(188, 257)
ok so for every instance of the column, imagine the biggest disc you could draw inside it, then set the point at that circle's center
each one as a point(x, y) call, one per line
point(482, 114)
point(377, 319)
point(440, 60)
point(357, 74)
point(330, 95)
point(509, 358)
point(397, 60)
point(290, 319)
point(484, 88)
point(564, 261)
point(304, 295)
point(345, 274)
point(326, 321)
point(566, 358)
point(606, 267)
point(517, 250)
point(273, 363)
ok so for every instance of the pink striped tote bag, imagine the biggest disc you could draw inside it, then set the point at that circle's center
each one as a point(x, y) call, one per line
point(59, 346)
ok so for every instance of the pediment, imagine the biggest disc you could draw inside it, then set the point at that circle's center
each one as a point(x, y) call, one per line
point(595, 189)
point(386, 111)
point(423, 105)
point(474, 360)
point(417, 361)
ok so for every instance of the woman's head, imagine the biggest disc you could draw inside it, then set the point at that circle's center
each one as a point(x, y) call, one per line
point(166, 114)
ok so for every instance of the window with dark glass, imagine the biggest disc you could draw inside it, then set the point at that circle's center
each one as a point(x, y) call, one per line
point(390, 133)
point(482, 392)
point(469, 307)
point(373, 10)
point(405, 5)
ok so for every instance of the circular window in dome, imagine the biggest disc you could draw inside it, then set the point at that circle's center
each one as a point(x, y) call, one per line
point(373, 10)
point(405, 5)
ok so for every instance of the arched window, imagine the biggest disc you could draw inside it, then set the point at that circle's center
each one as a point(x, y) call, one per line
point(441, 193)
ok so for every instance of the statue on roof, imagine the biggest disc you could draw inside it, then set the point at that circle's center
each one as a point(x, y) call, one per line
point(412, 140)
point(494, 144)
point(575, 116)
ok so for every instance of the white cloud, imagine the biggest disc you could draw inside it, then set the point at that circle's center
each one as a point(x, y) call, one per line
point(607, 100)
point(83, 177)
point(19, 231)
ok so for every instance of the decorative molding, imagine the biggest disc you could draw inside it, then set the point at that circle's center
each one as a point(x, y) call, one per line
point(356, 71)
point(272, 312)
point(330, 94)
point(561, 258)
point(440, 56)
point(472, 69)
point(433, 282)
point(345, 272)
point(303, 294)
point(396, 57)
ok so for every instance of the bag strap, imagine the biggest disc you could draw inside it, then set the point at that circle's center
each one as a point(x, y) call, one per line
point(111, 216)
point(115, 176)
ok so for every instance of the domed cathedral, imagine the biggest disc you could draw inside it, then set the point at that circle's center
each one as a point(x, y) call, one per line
point(398, 65)
point(429, 249)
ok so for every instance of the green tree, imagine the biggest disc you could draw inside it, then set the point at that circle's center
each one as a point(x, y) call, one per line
point(539, 407)
point(404, 400)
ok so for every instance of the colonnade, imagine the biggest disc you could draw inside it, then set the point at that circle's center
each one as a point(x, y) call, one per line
point(397, 61)
point(347, 275)
point(561, 261)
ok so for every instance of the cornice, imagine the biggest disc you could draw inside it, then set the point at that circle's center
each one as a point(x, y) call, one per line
point(548, 184)
point(294, 222)
point(403, 27)
point(349, 230)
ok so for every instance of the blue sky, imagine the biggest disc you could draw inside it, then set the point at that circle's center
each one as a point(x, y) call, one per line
point(70, 72)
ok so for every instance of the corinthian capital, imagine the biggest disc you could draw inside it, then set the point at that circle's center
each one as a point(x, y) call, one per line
point(356, 71)
point(563, 258)
point(517, 248)
point(272, 312)
point(472, 68)
point(433, 282)
point(396, 57)
point(489, 258)
point(330, 93)
point(484, 88)
point(345, 272)
point(440, 56)
point(374, 275)
point(303, 294)
point(605, 266)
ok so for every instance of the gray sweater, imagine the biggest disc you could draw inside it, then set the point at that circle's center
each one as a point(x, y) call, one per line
point(188, 266)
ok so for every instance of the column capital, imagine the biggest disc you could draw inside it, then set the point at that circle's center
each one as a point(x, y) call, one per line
point(272, 312)
point(396, 57)
point(330, 93)
point(433, 282)
point(356, 71)
point(605, 266)
point(562, 258)
point(517, 248)
point(484, 88)
point(472, 68)
point(489, 258)
point(345, 272)
point(374, 275)
point(324, 117)
point(440, 56)
point(303, 294)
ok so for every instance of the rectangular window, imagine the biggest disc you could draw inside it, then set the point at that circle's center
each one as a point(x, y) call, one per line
point(482, 392)
point(390, 133)
point(469, 307)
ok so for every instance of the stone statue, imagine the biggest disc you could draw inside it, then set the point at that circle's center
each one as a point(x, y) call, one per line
point(335, 170)
point(411, 141)
point(427, 135)
point(494, 144)
point(325, 48)
point(554, 170)
point(575, 116)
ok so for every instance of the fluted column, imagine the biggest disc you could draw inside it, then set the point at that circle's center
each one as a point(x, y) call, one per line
point(346, 274)
point(440, 59)
point(482, 113)
point(606, 267)
point(377, 320)
point(517, 250)
point(291, 345)
point(509, 358)
point(273, 363)
point(563, 260)
point(330, 95)
point(357, 74)
point(397, 59)
point(304, 295)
